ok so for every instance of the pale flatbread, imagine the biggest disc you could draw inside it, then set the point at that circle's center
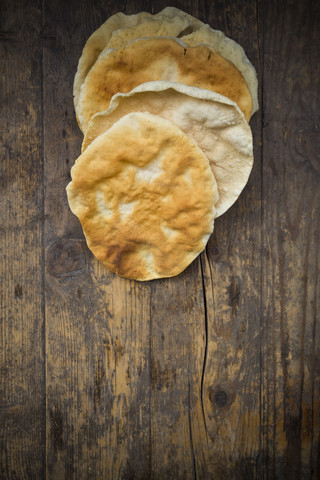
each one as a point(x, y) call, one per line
point(230, 50)
point(144, 194)
point(169, 59)
point(214, 122)
point(119, 28)
point(170, 22)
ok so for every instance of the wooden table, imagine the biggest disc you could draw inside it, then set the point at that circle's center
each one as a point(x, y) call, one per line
point(213, 374)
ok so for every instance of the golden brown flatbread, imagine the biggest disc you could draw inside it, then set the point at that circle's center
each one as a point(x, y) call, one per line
point(229, 49)
point(120, 28)
point(214, 122)
point(144, 194)
point(158, 58)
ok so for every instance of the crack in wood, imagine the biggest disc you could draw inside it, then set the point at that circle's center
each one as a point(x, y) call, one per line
point(206, 344)
point(194, 471)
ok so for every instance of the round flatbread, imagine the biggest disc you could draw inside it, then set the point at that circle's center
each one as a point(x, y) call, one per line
point(98, 41)
point(229, 49)
point(169, 59)
point(144, 194)
point(120, 28)
point(214, 122)
point(170, 22)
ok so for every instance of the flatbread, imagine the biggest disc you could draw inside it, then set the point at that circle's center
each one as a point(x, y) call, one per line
point(214, 122)
point(230, 50)
point(169, 59)
point(120, 28)
point(145, 195)
point(170, 22)
point(98, 41)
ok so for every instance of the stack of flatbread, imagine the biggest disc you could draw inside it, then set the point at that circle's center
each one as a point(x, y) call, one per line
point(164, 103)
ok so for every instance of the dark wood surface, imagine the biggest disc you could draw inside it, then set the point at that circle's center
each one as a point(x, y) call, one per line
point(214, 374)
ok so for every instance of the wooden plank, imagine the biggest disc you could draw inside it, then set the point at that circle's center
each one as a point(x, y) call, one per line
point(97, 334)
point(206, 342)
point(177, 348)
point(291, 206)
point(232, 295)
point(22, 384)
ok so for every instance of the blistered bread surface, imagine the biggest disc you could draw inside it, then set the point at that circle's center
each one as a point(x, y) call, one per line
point(152, 59)
point(144, 194)
point(214, 122)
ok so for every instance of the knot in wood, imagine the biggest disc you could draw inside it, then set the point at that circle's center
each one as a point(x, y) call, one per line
point(65, 256)
point(220, 396)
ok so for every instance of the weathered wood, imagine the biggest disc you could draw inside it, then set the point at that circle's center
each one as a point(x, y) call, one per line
point(232, 295)
point(176, 349)
point(22, 381)
point(291, 209)
point(221, 365)
point(67, 311)
point(212, 374)
point(98, 373)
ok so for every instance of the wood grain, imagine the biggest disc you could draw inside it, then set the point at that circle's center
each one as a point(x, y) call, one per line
point(232, 295)
point(290, 381)
point(176, 349)
point(211, 374)
point(22, 384)
point(97, 338)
